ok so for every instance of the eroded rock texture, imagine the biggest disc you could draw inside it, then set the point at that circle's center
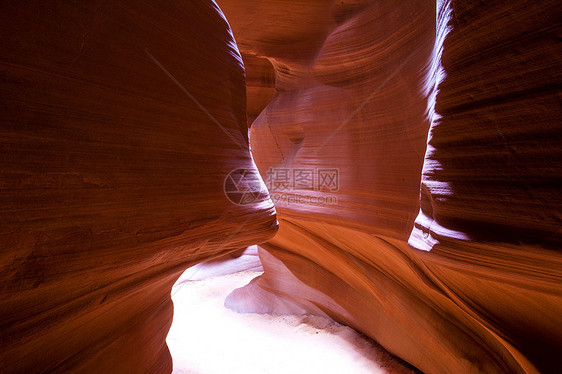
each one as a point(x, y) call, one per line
point(363, 87)
point(120, 122)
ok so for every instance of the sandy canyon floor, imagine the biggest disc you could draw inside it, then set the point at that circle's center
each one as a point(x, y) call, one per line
point(207, 338)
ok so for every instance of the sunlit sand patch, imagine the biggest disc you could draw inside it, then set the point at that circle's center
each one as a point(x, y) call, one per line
point(208, 338)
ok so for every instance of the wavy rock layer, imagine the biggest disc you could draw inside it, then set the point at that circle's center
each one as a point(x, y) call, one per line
point(496, 136)
point(356, 90)
point(119, 125)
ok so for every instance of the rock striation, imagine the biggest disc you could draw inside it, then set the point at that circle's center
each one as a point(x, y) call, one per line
point(119, 124)
point(440, 237)
point(412, 152)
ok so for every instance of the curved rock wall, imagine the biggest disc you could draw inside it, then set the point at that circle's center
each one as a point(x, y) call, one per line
point(119, 124)
point(358, 86)
point(121, 121)
point(492, 170)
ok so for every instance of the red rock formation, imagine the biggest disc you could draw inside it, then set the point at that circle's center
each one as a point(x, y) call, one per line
point(492, 173)
point(260, 82)
point(120, 122)
point(355, 88)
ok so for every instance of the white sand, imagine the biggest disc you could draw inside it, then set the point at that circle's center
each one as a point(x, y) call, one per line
point(207, 338)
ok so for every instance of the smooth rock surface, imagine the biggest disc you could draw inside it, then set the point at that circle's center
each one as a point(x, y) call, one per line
point(231, 263)
point(119, 124)
point(412, 150)
point(363, 87)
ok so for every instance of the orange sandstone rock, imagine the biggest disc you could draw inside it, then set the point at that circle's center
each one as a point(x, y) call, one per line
point(120, 122)
point(362, 87)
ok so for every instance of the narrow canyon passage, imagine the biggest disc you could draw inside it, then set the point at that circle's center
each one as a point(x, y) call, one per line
point(396, 166)
point(410, 152)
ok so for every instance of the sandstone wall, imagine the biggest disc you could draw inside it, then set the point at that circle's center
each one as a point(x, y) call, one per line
point(119, 124)
point(363, 87)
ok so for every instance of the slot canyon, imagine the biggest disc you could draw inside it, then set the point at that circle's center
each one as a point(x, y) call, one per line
point(404, 179)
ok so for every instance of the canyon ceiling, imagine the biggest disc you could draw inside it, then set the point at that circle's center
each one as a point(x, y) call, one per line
point(412, 152)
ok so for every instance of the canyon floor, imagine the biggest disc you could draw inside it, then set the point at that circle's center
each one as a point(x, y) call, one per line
point(207, 338)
